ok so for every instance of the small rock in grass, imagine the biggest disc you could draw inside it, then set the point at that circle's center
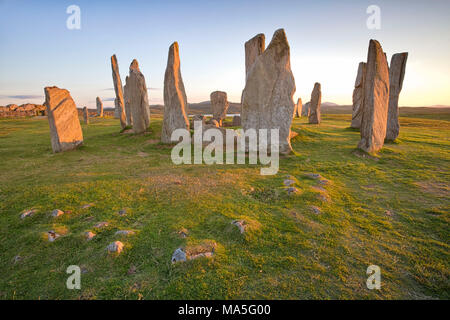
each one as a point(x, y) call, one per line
point(88, 205)
point(101, 225)
point(124, 232)
point(183, 233)
point(178, 255)
point(324, 182)
point(288, 182)
point(389, 213)
point(57, 213)
point(115, 246)
point(240, 224)
point(28, 213)
point(292, 190)
point(122, 212)
point(315, 209)
point(313, 175)
point(132, 269)
point(52, 236)
point(17, 259)
point(89, 235)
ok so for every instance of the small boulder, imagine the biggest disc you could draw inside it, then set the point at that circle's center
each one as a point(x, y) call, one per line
point(115, 246)
point(101, 225)
point(240, 224)
point(124, 232)
point(89, 235)
point(52, 235)
point(57, 213)
point(28, 213)
point(178, 255)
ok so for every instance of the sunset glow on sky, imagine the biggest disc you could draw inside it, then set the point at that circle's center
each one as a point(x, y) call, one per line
point(327, 38)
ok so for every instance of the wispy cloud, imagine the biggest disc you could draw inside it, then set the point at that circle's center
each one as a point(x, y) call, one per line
point(148, 88)
point(22, 97)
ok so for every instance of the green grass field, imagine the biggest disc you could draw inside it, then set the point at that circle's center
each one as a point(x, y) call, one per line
point(391, 211)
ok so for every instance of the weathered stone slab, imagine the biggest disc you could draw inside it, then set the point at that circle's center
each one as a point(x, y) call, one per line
point(396, 76)
point(358, 96)
point(175, 100)
point(126, 100)
point(119, 103)
point(253, 48)
point(219, 105)
point(305, 109)
point(65, 129)
point(376, 99)
point(314, 107)
point(267, 97)
point(86, 115)
point(298, 108)
point(99, 104)
point(236, 121)
point(138, 99)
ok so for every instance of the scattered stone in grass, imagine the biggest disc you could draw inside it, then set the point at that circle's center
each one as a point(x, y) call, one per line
point(389, 213)
point(17, 259)
point(292, 190)
point(324, 182)
point(132, 269)
point(313, 175)
point(57, 213)
point(102, 224)
point(28, 213)
point(52, 235)
point(315, 209)
point(84, 270)
point(183, 233)
point(205, 249)
point(318, 189)
point(115, 246)
point(89, 235)
point(288, 182)
point(240, 224)
point(122, 212)
point(178, 256)
point(124, 233)
point(323, 198)
point(88, 205)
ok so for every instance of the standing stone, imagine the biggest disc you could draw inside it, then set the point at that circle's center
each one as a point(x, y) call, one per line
point(219, 104)
point(120, 106)
point(267, 97)
point(65, 129)
point(138, 98)
point(396, 76)
point(175, 101)
point(298, 108)
point(253, 48)
point(236, 121)
point(86, 115)
point(99, 107)
point(126, 99)
point(314, 107)
point(376, 99)
point(358, 96)
point(305, 109)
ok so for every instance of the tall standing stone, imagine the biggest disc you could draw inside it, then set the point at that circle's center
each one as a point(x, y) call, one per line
point(305, 109)
point(376, 99)
point(314, 104)
point(396, 76)
point(126, 100)
point(175, 100)
point(253, 48)
point(86, 115)
point(65, 129)
point(120, 106)
point(358, 96)
point(219, 104)
point(138, 99)
point(99, 107)
point(298, 108)
point(267, 97)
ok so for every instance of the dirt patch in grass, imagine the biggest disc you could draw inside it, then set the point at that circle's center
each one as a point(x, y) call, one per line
point(439, 189)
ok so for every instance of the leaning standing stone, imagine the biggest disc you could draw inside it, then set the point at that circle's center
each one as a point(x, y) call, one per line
point(219, 104)
point(314, 107)
point(376, 99)
point(358, 96)
point(65, 129)
point(120, 106)
point(175, 101)
point(86, 115)
point(267, 97)
point(138, 98)
point(396, 76)
point(253, 48)
point(99, 107)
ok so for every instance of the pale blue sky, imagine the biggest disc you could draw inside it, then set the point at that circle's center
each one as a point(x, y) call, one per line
point(328, 39)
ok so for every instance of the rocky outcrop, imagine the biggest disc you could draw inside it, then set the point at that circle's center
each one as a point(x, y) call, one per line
point(267, 98)
point(219, 105)
point(314, 107)
point(65, 129)
point(99, 104)
point(358, 96)
point(396, 76)
point(175, 101)
point(376, 99)
point(119, 103)
point(138, 99)
point(253, 48)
